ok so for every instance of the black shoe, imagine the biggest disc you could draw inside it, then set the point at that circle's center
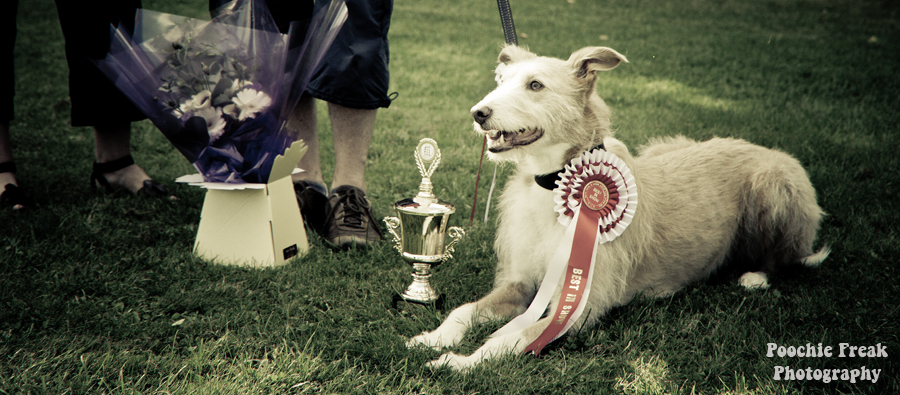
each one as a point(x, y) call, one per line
point(14, 196)
point(98, 180)
point(349, 222)
point(313, 204)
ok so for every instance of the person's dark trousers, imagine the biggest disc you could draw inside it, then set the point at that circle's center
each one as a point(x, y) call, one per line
point(86, 28)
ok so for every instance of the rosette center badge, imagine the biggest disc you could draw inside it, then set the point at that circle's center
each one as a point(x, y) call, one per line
point(420, 228)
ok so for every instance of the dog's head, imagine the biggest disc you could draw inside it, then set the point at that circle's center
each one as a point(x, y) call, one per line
point(545, 109)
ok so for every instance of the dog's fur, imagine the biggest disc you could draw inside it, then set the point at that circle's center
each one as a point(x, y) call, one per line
point(698, 202)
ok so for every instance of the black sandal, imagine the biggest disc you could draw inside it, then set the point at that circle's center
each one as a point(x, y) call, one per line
point(98, 180)
point(14, 196)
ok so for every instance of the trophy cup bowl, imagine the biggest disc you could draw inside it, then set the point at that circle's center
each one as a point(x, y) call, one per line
point(421, 240)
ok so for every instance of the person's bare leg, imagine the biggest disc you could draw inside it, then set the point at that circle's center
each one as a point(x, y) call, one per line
point(6, 156)
point(352, 130)
point(303, 119)
point(112, 142)
point(351, 221)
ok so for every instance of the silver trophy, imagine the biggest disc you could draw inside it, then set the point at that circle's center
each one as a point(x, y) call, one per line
point(422, 224)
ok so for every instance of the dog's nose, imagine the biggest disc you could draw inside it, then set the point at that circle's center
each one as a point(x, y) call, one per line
point(481, 115)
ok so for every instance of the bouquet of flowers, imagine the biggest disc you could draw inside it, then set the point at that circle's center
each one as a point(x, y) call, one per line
point(221, 90)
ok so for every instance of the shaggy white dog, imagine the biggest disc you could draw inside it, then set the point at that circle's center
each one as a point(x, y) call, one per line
point(699, 203)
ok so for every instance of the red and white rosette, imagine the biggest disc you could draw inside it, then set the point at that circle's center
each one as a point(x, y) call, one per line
point(601, 182)
point(596, 198)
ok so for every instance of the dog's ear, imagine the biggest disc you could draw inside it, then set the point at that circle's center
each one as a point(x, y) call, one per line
point(587, 61)
point(514, 53)
point(498, 73)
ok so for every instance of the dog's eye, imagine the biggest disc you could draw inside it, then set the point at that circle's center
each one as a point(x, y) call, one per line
point(535, 86)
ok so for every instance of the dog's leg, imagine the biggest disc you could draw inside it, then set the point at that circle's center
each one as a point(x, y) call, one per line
point(508, 344)
point(505, 301)
point(785, 216)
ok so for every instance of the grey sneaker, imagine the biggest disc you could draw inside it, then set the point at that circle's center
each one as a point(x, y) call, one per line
point(349, 222)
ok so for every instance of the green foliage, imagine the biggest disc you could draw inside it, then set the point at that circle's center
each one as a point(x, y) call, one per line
point(99, 293)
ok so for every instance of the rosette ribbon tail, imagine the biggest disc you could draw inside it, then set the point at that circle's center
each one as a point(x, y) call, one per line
point(577, 281)
point(555, 270)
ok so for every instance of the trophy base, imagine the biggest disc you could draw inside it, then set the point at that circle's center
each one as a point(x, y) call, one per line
point(420, 291)
point(398, 302)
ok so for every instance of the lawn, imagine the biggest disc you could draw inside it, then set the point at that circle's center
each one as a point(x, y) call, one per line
point(100, 293)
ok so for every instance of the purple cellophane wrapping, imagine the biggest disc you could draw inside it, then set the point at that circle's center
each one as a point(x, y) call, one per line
point(221, 90)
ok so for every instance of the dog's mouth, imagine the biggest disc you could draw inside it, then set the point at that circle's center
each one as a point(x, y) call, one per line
point(502, 140)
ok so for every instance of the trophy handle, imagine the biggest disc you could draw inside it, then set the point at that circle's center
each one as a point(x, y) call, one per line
point(392, 224)
point(455, 233)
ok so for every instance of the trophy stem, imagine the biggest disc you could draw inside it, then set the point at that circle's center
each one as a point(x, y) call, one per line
point(420, 291)
point(426, 194)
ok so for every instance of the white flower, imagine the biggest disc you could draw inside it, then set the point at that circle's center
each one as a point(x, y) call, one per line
point(214, 121)
point(197, 102)
point(247, 103)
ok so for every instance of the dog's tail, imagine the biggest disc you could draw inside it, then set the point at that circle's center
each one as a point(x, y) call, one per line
point(816, 258)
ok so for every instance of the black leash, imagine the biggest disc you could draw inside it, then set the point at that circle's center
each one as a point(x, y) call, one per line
point(509, 28)
point(509, 33)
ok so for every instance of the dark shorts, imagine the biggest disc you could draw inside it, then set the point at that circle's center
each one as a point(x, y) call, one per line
point(354, 72)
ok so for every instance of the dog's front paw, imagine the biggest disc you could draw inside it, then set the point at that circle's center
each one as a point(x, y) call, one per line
point(453, 361)
point(434, 340)
point(420, 341)
point(426, 339)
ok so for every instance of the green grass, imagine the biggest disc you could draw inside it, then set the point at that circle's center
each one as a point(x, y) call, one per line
point(100, 293)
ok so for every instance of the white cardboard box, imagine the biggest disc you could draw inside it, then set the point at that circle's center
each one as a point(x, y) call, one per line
point(257, 225)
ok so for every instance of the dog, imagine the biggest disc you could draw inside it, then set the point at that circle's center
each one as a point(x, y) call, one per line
point(699, 203)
